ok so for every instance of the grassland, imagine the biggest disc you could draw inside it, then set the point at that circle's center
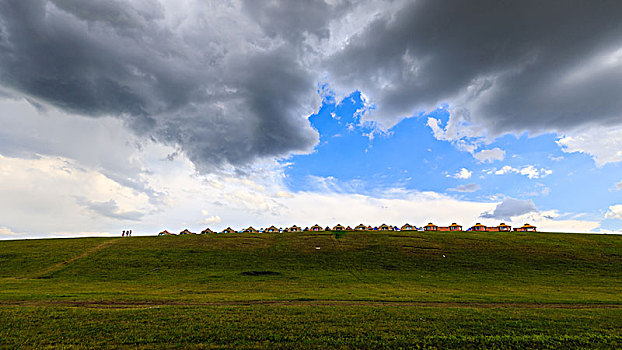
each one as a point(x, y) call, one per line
point(370, 289)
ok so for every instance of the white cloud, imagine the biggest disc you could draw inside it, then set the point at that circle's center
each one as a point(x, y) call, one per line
point(533, 173)
point(619, 185)
point(418, 208)
point(602, 143)
point(4, 231)
point(282, 194)
point(472, 187)
point(38, 192)
point(463, 173)
point(462, 137)
point(529, 170)
point(437, 131)
point(506, 169)
point(615, 212)
point(214, 219)
point(490, 155)
point(552, 221)
point(465, 137)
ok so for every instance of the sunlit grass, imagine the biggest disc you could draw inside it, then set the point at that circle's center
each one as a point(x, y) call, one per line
point(503, 290)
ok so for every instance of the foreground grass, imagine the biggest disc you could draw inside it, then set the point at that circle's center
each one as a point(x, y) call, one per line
point(317, 326)
point(445, 290)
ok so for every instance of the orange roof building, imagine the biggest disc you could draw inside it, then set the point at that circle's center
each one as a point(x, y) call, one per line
point(339, 227)
point(165, 233)
point(229, 230)
point(187, 232)
point(452, 227)
point(384, 227)
point(206, 231)
point(526, 228)
point(361, 227)
point(272, 229)
point(407, 227)
point(478, 227)
point(251, 229)
point(295, 229)
point(504, 228)
point(316, 228)
point(455, 227)
point(430, 227)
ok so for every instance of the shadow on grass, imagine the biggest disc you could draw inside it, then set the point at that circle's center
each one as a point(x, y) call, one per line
point(260, 273)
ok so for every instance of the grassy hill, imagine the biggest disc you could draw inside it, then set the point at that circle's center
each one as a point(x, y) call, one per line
point(432, 289)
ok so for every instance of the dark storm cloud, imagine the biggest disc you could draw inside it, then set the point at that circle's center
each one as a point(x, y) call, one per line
point(257, 119)
point(52, 55)
point(223, 98)
point(511, 65)
point(228, 82)
point(511, 207)
point(290, 21)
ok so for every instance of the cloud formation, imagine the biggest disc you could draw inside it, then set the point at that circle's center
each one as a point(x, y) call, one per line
point(614, 212)
point(507, 67)
point(51, 194)
point(232, 82)
point(110, 209)
point(511, 207)
point(490, 155)
point(528, 170)
point(603, 143)
point(205, 78)
point(463, 173)
point(472, 187)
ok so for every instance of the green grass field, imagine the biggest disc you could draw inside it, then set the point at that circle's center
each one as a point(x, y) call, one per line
point(314, 290)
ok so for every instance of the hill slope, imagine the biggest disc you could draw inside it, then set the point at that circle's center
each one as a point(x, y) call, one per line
point(396, 266)
point(359, 290)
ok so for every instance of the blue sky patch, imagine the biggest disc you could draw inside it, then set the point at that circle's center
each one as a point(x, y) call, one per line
point(355, 157)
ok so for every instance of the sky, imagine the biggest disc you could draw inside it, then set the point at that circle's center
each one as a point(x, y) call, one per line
point(160, 114)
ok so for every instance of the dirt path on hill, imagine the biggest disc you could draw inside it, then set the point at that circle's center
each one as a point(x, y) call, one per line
point(171, 303)
point(61, 265)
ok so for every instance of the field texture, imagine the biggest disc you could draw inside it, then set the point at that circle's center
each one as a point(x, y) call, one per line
point(320, 290)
